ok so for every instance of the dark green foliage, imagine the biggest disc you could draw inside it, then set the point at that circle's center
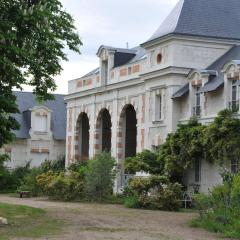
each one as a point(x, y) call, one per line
point(222, 138)
point(154, 192)
point(10, 180)
point(220, 210)
point(145, 161)
point(100, 177)
point(62, 186)
point(33, 36)
point(181, 149)
point(24, 178)
point(29, 182)
point(55, 165)
point(132, 201)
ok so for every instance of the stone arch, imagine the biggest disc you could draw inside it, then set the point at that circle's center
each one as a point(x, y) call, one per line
point(103, 131)
point(82, 137)
point(127, 132)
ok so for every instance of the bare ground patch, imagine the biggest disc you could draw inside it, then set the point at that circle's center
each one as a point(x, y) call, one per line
point(106, 222)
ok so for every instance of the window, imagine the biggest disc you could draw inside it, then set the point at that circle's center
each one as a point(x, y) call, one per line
point(234, 166)
point(40, 124)
point(234, 105)
point(129, 70)
point(197, 169)
point(159, 58)
point(159, 107)
point(197, 108)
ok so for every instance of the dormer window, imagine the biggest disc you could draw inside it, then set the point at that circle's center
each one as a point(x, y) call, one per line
point(197, 107)
point(40, 124)
point(234, 103)
point(40, 120)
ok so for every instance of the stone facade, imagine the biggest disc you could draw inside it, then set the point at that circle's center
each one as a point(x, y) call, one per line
point(138, 96)
point(37, 139)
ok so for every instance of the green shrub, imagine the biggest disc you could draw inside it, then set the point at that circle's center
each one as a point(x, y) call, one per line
point(132, 202)
point(154, 192)
point(168, 198)
point(145, 161)
point(55, 165)
point(11, 179)
point(100, 177)
point(62, 186)
point(202, 203)
point(29, 182)
point(220, 212)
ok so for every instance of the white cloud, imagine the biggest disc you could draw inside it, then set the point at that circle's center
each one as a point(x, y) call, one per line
point(111, 23)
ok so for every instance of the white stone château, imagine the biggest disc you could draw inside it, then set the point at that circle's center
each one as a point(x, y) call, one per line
point(42, 133)
point(189, 67)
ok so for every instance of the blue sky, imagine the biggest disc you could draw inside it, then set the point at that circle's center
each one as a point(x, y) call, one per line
point(111, 23)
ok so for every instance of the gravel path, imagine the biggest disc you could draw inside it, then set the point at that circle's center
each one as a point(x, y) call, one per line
point(114, 222)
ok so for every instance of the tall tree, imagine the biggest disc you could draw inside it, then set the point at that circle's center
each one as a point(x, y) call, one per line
point(33, 36)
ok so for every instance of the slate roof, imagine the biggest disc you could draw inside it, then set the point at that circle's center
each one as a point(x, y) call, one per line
point(215, 80)
point(26, 100)
point(209, 18)
point(139, 54)
point(181, 92)
point(218, 81)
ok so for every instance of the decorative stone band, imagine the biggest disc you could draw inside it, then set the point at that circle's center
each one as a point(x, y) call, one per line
point(233, 76)
point(40, 150)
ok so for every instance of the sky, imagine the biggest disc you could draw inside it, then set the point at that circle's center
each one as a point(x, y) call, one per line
point(109, 22)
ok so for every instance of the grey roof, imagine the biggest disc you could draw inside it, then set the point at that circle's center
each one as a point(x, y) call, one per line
point(181, 92)
point(27, 100)
point(95, 71)
point(209, 18)
point(123, 50)
point(139, 54)
point(216, 78)
point(218, 81)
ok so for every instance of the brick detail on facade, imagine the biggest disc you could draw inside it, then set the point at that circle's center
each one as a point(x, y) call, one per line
point(196, 82)
point(84, 82)
point(40, 150)
point(123, 72)
point(136, 68)
point(233, 76)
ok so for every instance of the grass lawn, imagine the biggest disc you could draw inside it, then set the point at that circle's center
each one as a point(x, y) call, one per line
point(27, 222)
point(231, 230)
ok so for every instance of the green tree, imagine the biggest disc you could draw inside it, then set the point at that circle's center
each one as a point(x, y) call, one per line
point(33, 36)
point(222, 138)
point(100, 177)
point(145, 161)
point(181, 149)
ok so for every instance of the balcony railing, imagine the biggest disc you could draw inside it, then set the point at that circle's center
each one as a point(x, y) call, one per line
point(234, 106)
point(197, 111)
